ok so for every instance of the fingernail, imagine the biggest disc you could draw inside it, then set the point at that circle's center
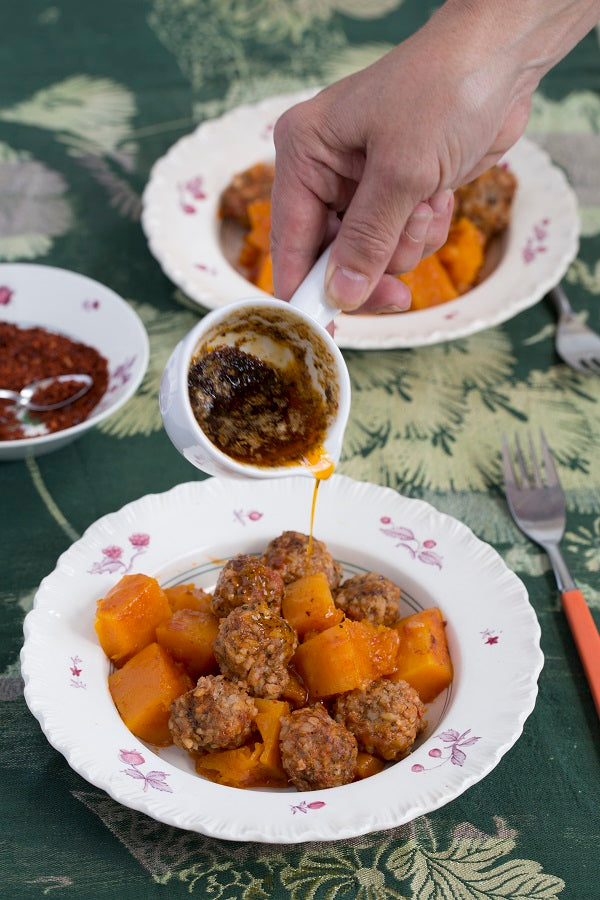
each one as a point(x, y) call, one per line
point(396, 308)
point(440, 202)
point(417, 226)
point(347, 289)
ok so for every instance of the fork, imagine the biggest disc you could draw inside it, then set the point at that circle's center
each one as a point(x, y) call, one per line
point(538, 507)
point(576, 344)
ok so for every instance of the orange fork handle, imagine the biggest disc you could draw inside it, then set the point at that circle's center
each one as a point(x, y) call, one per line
point(587, 638)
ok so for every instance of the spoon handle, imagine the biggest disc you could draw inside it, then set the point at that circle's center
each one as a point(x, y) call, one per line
point(5, 394)
point(309, 296)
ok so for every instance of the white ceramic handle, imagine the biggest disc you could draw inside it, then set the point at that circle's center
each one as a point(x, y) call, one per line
point(309, 296)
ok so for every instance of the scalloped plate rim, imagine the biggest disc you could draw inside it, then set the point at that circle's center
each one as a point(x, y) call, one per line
point(336, 826)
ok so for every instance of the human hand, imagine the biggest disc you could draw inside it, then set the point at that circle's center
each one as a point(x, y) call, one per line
point(383, 149)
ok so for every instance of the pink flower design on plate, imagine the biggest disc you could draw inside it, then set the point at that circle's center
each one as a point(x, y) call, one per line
point(89, 305)
point(536, 243)
point(242, 516)
point(209, 270)
point(76, 669)
point(121, 375)
point(190, 192)
point(489, 636)
point(453, 751)
point(112, 557)
point(5, 295)
point(405, 537)
point(304, 807)
point(154, 779)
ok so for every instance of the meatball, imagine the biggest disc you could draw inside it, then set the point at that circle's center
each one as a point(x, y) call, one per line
point(316, 751)
point(246, 581)
point(253, 648)
point(371, 597)
point(385, 717)
point(487, 200)
point(246, 187)
point(289, 555)
point(215, 715)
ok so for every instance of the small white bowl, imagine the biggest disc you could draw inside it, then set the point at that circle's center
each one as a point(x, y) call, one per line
point(86, 311)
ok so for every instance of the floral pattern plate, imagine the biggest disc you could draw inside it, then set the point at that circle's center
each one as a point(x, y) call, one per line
point(185, 535)
point(180, 219)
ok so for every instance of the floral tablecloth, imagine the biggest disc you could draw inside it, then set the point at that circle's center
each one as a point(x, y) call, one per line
point(91, 96)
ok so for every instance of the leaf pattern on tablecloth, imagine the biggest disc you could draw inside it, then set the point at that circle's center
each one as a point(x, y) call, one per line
point(92, 117)
point(568, 129)
point(450, 403)
point(415, 861)
point(141, 415)
point(33, 208)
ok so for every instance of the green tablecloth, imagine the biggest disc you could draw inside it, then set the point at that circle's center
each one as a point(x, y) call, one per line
point(91, 95)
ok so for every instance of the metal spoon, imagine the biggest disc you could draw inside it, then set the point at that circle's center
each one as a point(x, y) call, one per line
point(23, 397)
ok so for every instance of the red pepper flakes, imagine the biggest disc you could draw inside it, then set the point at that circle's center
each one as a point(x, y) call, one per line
point(29, 354)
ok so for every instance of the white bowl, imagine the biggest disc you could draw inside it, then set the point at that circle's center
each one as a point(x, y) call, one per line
point(86, 311)
point(185, 535)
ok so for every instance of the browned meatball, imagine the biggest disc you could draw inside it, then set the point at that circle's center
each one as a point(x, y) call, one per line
point(385, 717)
point(289, 555)
point(245, 581)
point(245, 187)
point(316, 752)
point(371, 597)
point(487, 200)
point(253, 648)
point(215, 715)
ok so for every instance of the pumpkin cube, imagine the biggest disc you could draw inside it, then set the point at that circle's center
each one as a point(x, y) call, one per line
point(143, 690)
point(308, 605)
point(367, 765)
point(423, 657)
point(268, 722)
point(126, 618)
point(331, 663)
point(429, 283)
point(462, 254)
point(236, 768)
point(189, 636)
point(186, 596)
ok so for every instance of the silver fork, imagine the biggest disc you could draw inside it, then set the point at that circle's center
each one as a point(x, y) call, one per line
point(538, 507)
point(576, 344)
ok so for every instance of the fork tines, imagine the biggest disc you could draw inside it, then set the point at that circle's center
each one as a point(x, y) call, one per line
point(525, 475)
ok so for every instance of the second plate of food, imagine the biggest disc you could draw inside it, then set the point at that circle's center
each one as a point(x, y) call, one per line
point(185, 536)
point(185, 232)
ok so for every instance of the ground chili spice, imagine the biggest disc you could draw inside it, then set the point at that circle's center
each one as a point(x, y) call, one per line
point(28, 354)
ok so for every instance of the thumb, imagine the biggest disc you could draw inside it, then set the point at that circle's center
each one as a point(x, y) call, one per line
point(367, 238)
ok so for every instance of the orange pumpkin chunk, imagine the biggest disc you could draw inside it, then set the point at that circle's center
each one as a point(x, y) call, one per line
point(345, 657)
point(462, 254)
point(186, 596)
point(143, 691)
point(268, 722)
point(126, 618)
point(294, 692)
point(237, 768)
point(429, 283)
point(189, 636)
point(423, 656)
point(308, 605)
point(367, 765)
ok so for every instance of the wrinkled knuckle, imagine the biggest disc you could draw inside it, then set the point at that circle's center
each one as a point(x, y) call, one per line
point(367, 240)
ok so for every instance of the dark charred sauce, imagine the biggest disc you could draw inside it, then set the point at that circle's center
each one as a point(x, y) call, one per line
point(255, 412)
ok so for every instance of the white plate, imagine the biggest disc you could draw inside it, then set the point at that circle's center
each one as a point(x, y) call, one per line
point(180, 219)
point(184, 535)
point(84, 310)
